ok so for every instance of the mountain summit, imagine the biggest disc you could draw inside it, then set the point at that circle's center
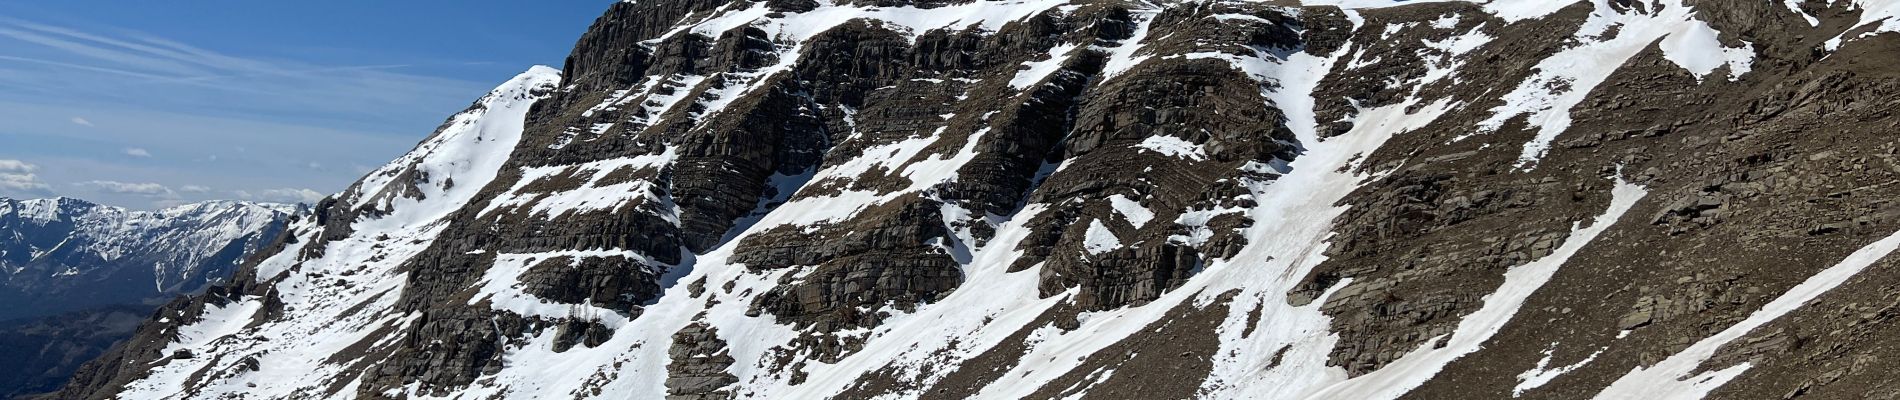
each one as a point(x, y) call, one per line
point(1107, 199)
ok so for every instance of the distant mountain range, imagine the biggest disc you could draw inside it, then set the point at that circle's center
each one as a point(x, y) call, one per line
point(66, 254)
point(76, 276)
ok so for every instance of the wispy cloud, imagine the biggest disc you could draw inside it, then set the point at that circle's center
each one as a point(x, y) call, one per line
point(17, 166)
point(136, 189)
point(97, 48)
point(17, 178)
point(140, 54)
point(286, 195)
point(82, 67)
point(137, 66)
point(74, 92)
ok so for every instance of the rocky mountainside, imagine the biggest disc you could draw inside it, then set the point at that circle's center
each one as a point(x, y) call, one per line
point(66, 254)
point(1108, 199)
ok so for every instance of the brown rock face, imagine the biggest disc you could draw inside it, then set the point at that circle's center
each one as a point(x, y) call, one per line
point(699, 365)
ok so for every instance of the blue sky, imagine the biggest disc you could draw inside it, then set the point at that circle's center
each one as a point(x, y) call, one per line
point(152, 103)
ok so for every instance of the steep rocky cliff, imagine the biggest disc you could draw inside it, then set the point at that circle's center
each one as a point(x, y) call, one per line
point(1108, 199)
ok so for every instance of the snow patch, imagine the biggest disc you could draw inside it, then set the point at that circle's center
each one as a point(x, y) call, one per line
point(590, 196)
point(1542, 374)
point(1036, 71)
point(1885, 13)
point(1795, 6)
point(1127, 54)
point(1446, 22)
point(1131, 210)
point(1099, 239)
point(1519, 10)
point(1696, 49)
point(1451, 54)
point(1174, 147)
point(1352, 4)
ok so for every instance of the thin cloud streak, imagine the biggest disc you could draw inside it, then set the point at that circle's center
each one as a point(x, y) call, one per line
point(139, 66)
point(121, 116)
point(172, 55)
point(145, 189)
point(84, 67)
point(284, 195)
